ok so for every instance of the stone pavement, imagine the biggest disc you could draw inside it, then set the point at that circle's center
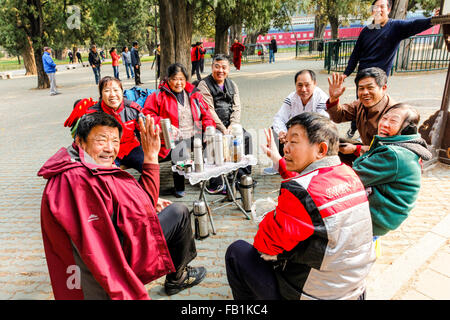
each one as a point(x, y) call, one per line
point(415, 258)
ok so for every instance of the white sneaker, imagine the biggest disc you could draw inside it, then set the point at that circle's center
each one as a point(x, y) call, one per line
point(270, 171)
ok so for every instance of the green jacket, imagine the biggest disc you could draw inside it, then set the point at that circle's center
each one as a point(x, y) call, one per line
point(392, 169)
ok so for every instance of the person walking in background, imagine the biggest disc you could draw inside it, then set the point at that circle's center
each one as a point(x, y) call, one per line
point(136, 63)
point(80, 60)
point(202, 57)
point(195, 59)
point(272, 50)
point(70, 54)
point(50, 69)
point(157, 53)
point(95, 62)
point(126, 60)
point(237, 49)
point(115, 62)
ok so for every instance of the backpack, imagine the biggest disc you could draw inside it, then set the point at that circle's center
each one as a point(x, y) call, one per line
point(137, 95)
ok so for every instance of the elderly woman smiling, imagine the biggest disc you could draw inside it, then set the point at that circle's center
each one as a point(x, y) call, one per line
point(126, 112)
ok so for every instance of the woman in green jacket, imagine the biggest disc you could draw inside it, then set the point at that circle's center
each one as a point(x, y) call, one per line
point(391, 169)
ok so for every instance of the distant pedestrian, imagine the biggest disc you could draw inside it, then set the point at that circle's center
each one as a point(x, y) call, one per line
point(95, 62)
point(202, 57)
point(272, 50)
point(78, 54)
point(102, 55)
point(115, 62)
point(136, 63)
point(50, 69)
point(157, 53)
point(237, 49)
point(126, 60)
point(70, 54)
point(195, 60)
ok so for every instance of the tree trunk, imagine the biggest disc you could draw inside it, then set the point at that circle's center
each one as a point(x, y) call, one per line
point(221, 39)
point(28, 58)
point(399, 9)
point(236, 32)
point(334, 22)
point(319, 27)
point(36, 34)
point(176, 18)
point(74, 51)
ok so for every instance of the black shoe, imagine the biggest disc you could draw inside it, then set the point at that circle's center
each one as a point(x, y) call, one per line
point(350, 133)
point(191, 277)
point(173, 192)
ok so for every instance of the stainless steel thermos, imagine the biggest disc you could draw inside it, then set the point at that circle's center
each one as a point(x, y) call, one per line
point(210, 133)
point(201, 220)
point(218, 149)
point(166, 128)
point(246, 189)
point(198, 155)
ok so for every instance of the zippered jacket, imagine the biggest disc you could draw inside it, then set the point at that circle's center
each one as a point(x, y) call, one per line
point(392, 170)
point(321, 233)
point(49, 64)
point(102, 236)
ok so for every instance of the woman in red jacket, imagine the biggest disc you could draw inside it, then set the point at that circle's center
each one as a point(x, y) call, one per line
point(115, 62)
point(183, 104)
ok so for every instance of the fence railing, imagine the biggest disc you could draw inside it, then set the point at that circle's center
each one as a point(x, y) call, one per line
point(255, 52)
point(313, 48)
point(418, 53)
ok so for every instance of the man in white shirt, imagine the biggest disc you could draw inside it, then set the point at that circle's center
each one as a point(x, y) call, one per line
point(307, 97)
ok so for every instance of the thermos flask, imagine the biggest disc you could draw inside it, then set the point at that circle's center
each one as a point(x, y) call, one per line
point(246, 189)
point(210, 132)
point(201, 220)
point(166, 128)
point(198, 155)
point(218, 149)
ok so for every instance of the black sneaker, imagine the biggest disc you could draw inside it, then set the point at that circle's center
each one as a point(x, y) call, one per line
point(192, 276)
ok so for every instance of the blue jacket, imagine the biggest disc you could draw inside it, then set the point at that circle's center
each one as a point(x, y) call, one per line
point(49, 64)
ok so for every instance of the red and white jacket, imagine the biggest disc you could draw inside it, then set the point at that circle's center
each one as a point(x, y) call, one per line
point(321, 232)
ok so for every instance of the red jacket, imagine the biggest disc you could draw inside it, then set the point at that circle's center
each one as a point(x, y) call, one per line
point(237, 49)
point(108, 218)
point(195, 54)
point(127, 115)
point(115, 59)
point(162, 104)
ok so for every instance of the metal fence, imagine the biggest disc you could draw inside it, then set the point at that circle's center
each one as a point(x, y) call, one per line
point(313, 48)
point(258, 52)
point(418, 53)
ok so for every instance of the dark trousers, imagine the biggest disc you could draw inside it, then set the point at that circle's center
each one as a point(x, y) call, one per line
point(181, 151)
point(249, 276)
point(133, 160)
point(175, 222)
point(97, 74)
point(137, 75)
point(196, 69)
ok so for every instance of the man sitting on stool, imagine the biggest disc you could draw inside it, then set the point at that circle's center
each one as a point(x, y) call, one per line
point(222, 96)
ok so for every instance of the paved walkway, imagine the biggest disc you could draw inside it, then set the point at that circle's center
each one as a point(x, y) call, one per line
point(415, 258)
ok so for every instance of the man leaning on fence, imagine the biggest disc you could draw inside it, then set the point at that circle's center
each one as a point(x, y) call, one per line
point(378, 42)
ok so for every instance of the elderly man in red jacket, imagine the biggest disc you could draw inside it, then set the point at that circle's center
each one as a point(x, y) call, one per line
point(102, 236)
point(317, 243)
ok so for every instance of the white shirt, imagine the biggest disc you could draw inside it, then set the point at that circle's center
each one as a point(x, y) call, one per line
point(293, 106)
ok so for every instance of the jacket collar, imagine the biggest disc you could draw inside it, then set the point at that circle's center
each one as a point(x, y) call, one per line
point(326, 162)
point(111, 111)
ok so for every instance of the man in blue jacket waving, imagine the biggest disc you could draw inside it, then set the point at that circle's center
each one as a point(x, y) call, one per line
point(50, 69)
